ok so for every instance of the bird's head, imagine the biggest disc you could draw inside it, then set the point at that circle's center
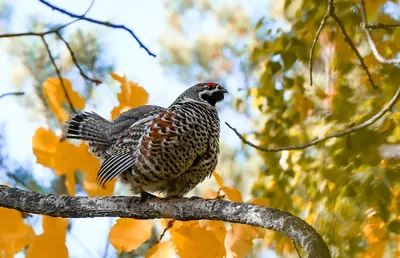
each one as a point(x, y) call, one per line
point(208, 92)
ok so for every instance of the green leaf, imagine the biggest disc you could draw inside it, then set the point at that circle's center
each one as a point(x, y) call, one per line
point(394, 226)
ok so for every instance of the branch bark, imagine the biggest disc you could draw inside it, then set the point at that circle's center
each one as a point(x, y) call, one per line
point(179, 209)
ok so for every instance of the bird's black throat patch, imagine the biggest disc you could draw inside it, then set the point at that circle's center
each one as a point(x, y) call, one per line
point(213, 98)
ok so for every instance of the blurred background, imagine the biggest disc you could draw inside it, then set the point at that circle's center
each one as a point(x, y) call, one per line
point(347, 188)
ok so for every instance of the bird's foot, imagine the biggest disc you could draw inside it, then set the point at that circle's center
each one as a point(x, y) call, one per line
point(173, 196)
point(195, 197)
point(145, 195)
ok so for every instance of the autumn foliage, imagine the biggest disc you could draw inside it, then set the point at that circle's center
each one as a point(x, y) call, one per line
point(346, 187)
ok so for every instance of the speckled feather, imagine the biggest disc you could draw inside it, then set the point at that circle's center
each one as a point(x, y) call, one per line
point(160, 150)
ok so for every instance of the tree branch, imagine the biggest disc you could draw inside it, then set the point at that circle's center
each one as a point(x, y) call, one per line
point(82, 73)
point(348, 131)
point(382, 26)
point(371, 41)
point(179, 209)
point(57, 31)
point(353, 47)
point(53, 61)
point(107, 24)
point(18, 93)
point(331, 12)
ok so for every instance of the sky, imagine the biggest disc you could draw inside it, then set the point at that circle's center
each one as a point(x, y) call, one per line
point(88, 237)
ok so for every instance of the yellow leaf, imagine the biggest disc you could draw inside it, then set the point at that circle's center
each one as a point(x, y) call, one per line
point(302, 105)
point(375, 250)
point(219, 229)
point(14, 233)
point(219, 179)
point(52, 242)
point(239, 240)
point(44, 144)
point(60, 156)
point(55, 95)
point(193, 241)
point(374, 229)
point(90, 165)
point(162, 250)
point(132, 95)
point(210, 194)
point(66, 158)
point(128, 234)
point(233, 194)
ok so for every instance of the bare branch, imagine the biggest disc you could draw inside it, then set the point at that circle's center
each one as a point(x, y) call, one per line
point(107, 24)
point(329, 10)
point(331, 13)
point(179, 209)
point(38, 34)
point(382, 26)
point(82, 73)
point(353, 47)
point(348, 131)
point(53, 61)
point(169, 225)
point(57, 31)
point(371, 41)
point(18, 93)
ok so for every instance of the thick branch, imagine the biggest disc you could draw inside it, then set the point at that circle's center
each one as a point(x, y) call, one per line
point(348, 131)
point(107, 24)
point(178, 209)
point(371, 42)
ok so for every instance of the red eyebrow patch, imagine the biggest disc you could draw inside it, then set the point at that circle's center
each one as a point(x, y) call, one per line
point(211, 84)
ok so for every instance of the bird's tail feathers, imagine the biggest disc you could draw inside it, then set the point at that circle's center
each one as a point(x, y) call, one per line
point(87, 126)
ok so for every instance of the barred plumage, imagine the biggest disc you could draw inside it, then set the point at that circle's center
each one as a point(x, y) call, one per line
point(154, 149)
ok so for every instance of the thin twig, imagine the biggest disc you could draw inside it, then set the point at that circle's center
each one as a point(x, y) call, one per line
point(169, 225)
point(371, 41)
point(105, 254)
point(350, 130)
point(82, 73)
point(331, 8)
point(382, 26)
point(18, 93)
point(107, 24)
point(353, 47)
point(57, 31)
point(53, 61)
point(37, 34)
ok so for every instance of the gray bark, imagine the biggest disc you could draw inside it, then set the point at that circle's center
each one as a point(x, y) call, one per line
point(179, 209)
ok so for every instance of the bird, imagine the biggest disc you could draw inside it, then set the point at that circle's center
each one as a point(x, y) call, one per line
point(156, 150)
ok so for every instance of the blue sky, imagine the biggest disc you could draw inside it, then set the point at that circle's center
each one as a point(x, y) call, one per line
point(147, 19)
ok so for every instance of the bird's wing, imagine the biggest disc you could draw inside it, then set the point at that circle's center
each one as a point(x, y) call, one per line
point(128, 129)
point(128, 118)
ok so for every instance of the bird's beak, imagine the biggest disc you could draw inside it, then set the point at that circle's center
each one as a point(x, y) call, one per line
point(222, 89)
